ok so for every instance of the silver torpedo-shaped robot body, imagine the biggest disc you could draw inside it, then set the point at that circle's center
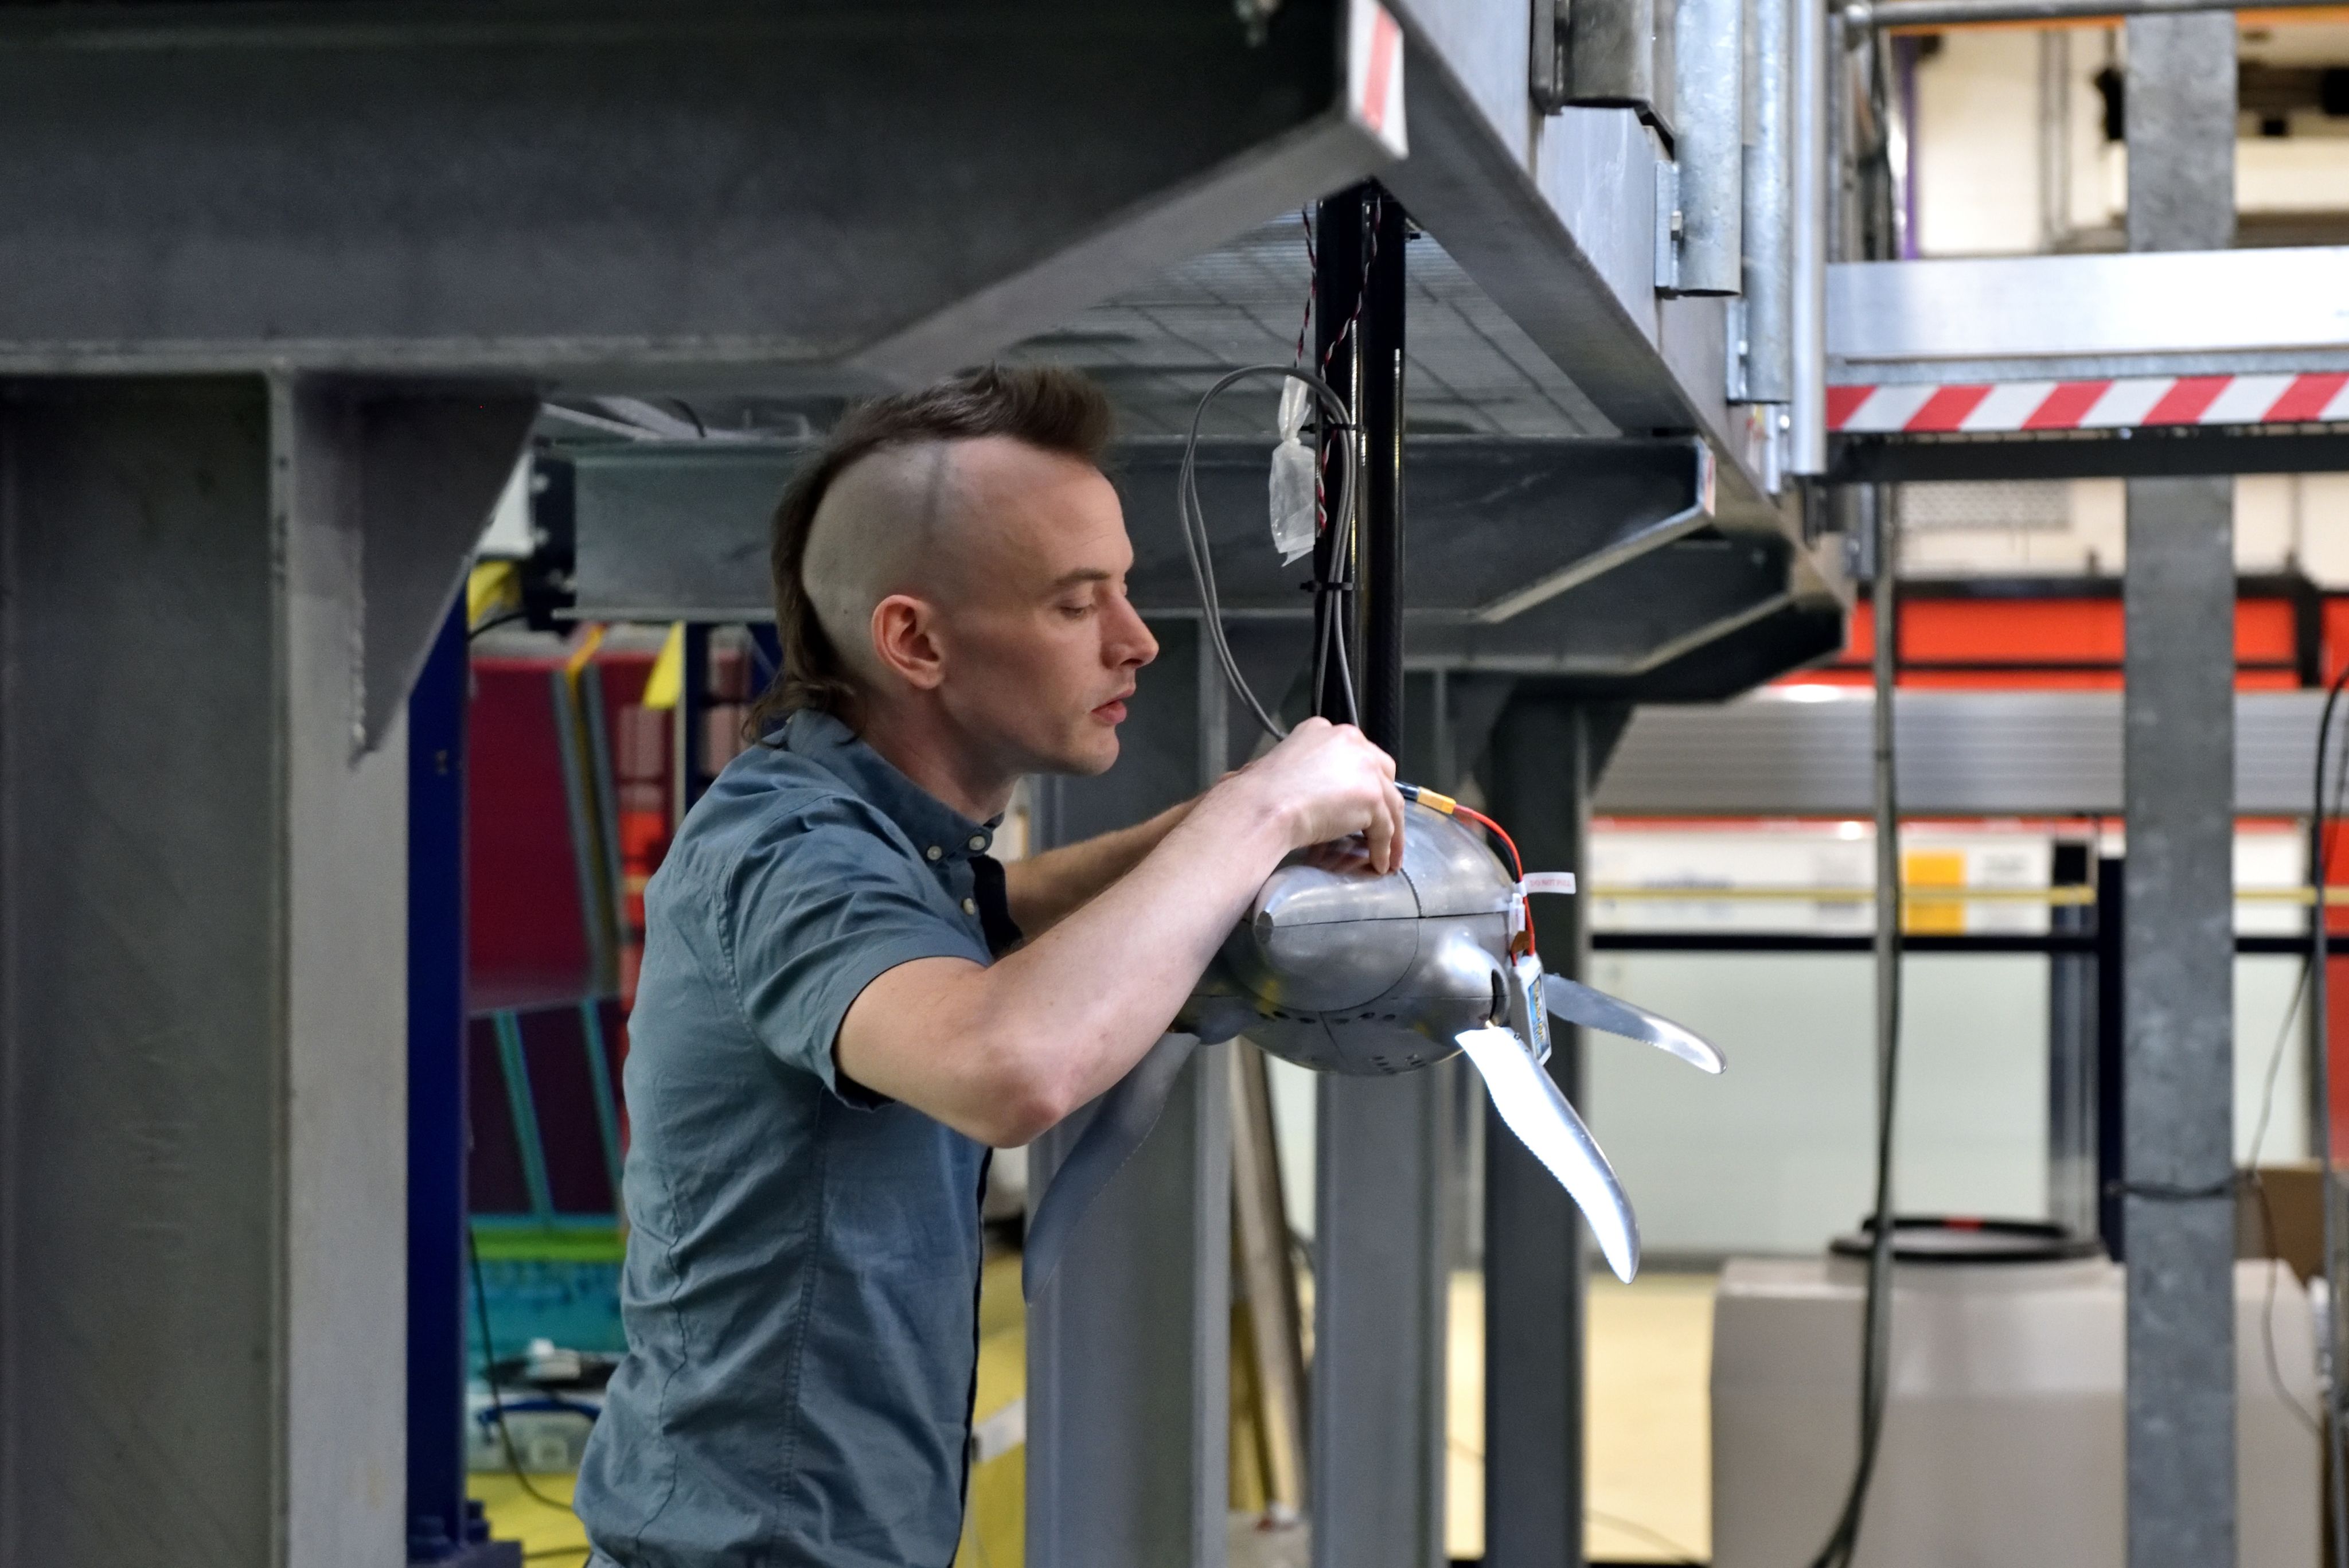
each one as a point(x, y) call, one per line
point(1342, 972)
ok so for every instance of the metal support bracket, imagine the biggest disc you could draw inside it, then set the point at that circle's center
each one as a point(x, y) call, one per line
point(1619, 56)
point(1546, 72)
point(1671, 228)
point(409, 478)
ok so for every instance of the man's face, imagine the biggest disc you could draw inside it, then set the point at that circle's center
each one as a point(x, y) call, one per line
point(1040, 642)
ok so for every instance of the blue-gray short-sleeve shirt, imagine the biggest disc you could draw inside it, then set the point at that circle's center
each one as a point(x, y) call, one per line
point(800, 1291)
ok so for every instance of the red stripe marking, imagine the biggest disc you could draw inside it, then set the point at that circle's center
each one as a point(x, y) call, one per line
point(2066, 405)
point(1947, 408)
point(1384, 35)
point(2184, 403)
point(1843, 403)
point(2306, 396)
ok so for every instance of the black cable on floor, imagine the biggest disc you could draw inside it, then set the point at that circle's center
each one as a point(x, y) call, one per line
point(489, 1376)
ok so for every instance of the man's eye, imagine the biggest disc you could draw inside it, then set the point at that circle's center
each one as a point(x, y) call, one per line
point(1076, 612)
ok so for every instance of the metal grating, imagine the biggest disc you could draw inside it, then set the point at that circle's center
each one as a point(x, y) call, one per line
point(1472, 371)
point(2013, 506)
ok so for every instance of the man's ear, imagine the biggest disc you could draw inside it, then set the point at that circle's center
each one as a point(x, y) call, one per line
point(906, 640)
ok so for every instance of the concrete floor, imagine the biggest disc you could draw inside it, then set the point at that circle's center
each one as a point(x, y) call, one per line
point(1647, 1425)
point(1648, 1432)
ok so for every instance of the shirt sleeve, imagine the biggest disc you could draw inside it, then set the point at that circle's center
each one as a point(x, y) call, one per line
point(826, 905)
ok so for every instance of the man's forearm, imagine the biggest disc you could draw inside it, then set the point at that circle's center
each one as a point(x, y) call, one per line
point(1049, 1027)
point(1045, 890)
point(1109, 979)
point(1000, 1052)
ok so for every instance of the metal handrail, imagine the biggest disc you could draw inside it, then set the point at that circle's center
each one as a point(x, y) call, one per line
point(2074, 896)
point(1920, 14)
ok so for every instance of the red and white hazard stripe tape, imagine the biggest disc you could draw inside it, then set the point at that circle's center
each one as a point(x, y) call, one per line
point(1925, 409)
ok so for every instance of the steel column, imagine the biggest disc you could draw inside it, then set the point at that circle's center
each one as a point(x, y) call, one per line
point(1545, 756)
point(1129, 1347)
point(1763, 321)
point(2178, 1084)
point(1376, 1436)
point(1376, 1442)
point(1379, 410)
point(2178, 740)
point(203, 979)
point(1338, 280)
point(1813, 206)
point(1709, 149)
point(2180, 99)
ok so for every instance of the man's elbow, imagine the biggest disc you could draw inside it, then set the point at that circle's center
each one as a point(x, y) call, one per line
point(1022, 1107)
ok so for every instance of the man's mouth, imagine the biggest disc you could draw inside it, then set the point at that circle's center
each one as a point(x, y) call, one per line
point(1113, 711)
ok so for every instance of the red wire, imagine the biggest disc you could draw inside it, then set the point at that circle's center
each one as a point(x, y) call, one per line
point(1497, 831)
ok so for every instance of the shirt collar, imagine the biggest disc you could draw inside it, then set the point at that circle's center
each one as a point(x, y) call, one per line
point(938, 830)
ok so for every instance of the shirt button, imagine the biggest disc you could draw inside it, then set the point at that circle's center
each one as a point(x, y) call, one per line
point(935, 853)
point(970, 906)
point(978, 841)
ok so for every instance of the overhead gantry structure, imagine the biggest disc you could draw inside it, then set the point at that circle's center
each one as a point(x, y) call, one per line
point(282, 288)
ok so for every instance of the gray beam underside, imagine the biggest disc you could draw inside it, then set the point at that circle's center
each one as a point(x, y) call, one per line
point(1129, 1346)
point(2178, 960)
point(1962, 753)
point(1650, 612)
point(682, 532)
point(203, 969)
point(671, 530)
point(618, 190)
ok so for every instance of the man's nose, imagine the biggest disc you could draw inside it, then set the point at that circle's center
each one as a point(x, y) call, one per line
point(1130, 644)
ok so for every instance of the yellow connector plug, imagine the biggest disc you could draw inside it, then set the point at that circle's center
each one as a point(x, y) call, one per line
point(1430, 798)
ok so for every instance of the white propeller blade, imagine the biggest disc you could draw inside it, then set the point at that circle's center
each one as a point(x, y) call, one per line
point(1539, 1115)
point(1578, 1003)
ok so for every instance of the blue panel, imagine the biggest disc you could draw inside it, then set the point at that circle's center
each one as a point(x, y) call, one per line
point(436, 1518)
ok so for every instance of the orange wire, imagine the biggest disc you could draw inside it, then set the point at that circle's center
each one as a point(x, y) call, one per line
point(1497, 831)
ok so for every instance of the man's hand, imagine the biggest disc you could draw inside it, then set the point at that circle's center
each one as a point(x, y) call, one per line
point(1326, 782)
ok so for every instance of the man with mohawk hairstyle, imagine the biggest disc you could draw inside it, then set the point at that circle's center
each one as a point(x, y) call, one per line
point(845, 1002)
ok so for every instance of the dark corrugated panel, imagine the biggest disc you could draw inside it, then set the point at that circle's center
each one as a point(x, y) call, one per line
point(1962, 753)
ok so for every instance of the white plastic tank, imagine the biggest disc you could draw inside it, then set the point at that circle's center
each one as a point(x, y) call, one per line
point(2003, 1435)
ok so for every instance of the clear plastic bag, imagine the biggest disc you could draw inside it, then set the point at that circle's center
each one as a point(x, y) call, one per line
point(1293, 478)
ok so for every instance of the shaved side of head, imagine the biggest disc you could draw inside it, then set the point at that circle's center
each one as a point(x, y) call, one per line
point(885, 526)
point(875, 509)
